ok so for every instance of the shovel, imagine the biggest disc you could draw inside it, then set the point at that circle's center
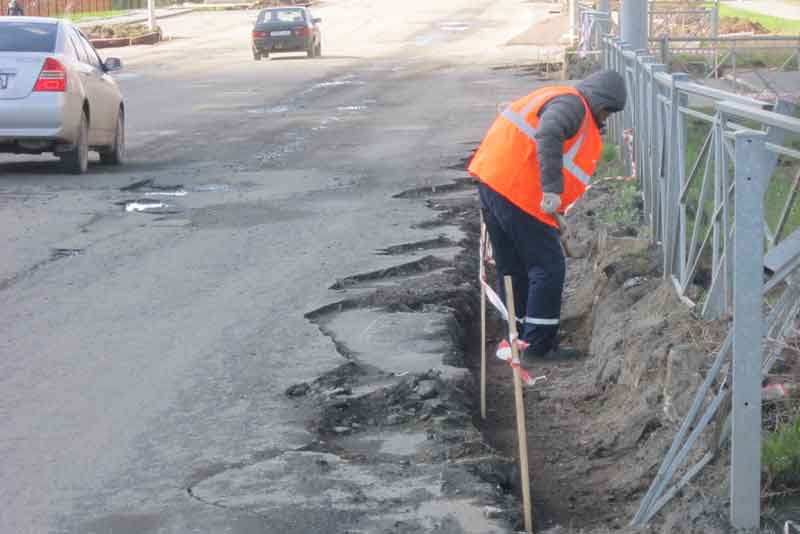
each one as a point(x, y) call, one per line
point(562, 229)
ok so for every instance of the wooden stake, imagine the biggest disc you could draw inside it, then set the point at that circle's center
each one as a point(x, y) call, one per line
point(481, 273)
point(483, 350)
point(522, 433)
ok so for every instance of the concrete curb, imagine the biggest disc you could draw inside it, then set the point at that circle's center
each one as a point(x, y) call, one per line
point(117, 42)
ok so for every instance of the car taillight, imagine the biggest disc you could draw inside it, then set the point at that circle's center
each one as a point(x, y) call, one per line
point(302, 32)
point(258, 35)
point(53, 77)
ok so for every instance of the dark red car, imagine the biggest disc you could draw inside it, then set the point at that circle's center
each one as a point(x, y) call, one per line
point(286, 29)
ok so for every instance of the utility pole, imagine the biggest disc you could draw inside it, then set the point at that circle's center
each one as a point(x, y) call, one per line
point(151, 15)
point(633, 23)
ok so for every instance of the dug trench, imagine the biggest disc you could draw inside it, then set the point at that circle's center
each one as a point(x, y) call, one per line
point(400, 445)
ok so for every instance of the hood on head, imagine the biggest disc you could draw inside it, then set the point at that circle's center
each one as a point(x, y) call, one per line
point(604, 91)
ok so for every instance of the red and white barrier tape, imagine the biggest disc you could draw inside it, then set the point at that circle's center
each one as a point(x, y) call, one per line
point(504, 353)
point(627, 137)
point(486, 257)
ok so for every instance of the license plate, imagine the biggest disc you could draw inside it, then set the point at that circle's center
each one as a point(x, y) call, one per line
point(282, 33)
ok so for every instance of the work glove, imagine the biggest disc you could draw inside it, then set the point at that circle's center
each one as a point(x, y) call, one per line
point(550, 202)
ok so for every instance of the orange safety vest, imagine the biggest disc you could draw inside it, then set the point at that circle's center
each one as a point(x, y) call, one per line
point(506, 160)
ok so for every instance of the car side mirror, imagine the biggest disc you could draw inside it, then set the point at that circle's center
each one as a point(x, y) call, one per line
point(112, 64)
point(316, 21)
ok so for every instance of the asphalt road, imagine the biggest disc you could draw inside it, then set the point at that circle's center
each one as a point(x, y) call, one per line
point(140, 350)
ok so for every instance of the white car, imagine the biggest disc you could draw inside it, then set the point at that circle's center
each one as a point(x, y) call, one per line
point(57, 95)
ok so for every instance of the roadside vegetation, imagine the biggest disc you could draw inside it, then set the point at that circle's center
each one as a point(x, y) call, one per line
point(625, 213)
point(99, 15)
point(772, 24)
point(781, 457)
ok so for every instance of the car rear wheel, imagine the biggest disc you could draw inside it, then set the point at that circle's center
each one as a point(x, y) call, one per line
point(256, 55)
point(76, 160)
point(115, 154)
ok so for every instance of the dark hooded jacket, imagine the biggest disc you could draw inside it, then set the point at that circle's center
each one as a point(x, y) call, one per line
point(561, 118)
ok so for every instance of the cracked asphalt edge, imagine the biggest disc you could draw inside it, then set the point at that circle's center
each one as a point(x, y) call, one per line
point(360, 401)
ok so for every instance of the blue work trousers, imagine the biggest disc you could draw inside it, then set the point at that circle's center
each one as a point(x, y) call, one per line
point(530, 252)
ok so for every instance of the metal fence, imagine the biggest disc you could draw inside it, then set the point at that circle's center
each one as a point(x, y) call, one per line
point(55, 8)
point(60, 8)
point(762, 65)
point(719, 176)
point(593, 26)
point(682, 19)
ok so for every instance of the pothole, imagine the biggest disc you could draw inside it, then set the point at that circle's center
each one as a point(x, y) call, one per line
point(338, 83)
point(211, 188)
point(149, 184)
point(273, 110)
point(146, 205)
point(422, 265)
point(463, 184)
point(428, 244)
point(59, 253)
point(352, 108)
point(178, 193)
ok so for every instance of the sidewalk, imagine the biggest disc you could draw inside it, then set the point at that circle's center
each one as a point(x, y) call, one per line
point(773, 8)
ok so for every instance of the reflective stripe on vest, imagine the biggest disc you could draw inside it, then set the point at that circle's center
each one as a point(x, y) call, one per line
point(518, 120)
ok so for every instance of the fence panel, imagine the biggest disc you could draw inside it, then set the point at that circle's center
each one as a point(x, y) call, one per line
point(689, 145)
point(59, 8)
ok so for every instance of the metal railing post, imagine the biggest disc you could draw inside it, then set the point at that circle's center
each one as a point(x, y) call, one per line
point(640, 118)
point(655, 146)
point(715, 32)
point(747, 330)
point(716, 302)
point(676, 169)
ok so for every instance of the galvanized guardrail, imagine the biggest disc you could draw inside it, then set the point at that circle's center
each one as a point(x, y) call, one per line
point(593, 26)
point(746, 61)
point(709, 163)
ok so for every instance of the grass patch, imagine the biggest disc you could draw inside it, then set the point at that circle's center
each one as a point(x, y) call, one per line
point(778, 187)
point(773, 24)
point(625, 211)
point(610, 163)
point(79, 17)
point(780, 455)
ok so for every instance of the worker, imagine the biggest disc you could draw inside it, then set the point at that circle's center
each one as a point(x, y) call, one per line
point(14, 9)
point(533, 164)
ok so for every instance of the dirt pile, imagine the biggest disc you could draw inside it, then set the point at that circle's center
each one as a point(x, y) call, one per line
point(739, 25)
point(680, 27)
